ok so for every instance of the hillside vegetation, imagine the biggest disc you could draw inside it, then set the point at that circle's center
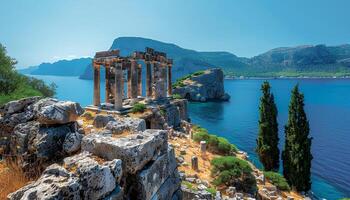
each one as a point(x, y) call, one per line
point(307, 60)
point(16, 86)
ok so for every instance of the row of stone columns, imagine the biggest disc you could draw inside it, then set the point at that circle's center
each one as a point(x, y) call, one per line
point(155, 82)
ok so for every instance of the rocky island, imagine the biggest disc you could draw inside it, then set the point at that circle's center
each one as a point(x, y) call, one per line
point(202, 86)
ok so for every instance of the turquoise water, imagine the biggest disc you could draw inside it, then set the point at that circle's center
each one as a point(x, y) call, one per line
point(327, 105)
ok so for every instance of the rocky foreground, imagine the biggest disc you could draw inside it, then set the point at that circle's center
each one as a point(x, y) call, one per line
point(116, 158)
point(202, 86)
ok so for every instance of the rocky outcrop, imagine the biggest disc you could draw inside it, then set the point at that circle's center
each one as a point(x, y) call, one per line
point(123, 160)
point(136, 150)
point(39, 131)
point(51, 111)
point(166, 114)
point(126, 124)
point(208, 85)
point(80, 177)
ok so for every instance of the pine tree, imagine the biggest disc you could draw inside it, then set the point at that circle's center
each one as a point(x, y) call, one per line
point(267, 141)
point(296, 155)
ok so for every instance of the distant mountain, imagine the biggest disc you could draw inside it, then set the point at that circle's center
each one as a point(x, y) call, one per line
point(185, 60)
point(308, 60)
point(73, 67)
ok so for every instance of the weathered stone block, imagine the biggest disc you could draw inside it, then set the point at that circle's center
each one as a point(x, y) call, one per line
point(101, 121)
point(150, 179)
point(55, 183)
point(50, 111)
point(134, 150)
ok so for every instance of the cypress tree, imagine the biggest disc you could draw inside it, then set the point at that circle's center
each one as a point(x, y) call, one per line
point(267, 141)
point(296, 155)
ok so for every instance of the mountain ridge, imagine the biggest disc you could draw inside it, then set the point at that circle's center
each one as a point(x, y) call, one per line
point(302, 60)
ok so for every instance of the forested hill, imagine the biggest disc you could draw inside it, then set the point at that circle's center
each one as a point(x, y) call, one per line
point(185, 60)
point(308, 60)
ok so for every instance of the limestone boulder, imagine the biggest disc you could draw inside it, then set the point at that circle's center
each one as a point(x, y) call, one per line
point(135, 150)
point(72, 142)
point(55, 183)
point(50, 111)
point(18, 105)
point(44, 142)
point(80, 177)
point(151, 179)
point(96, 180)
point(101, 121)
point(126, 124)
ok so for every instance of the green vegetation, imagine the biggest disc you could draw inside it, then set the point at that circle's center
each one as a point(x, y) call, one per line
point(162, 112)
point(176, 96)
point(180, 82)
point(189, 185)
point(212, 191)
point(278, 180)
point(138, 107)
point(296, 155)
point(16, 86)
point(267, 141)
point(229, 170)
point(215, 144)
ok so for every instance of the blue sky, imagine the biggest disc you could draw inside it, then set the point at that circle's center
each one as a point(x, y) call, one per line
point(36, 31)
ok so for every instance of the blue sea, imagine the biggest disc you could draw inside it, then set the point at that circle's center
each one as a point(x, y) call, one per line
point(327, 103)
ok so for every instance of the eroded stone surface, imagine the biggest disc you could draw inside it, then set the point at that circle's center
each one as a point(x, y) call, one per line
point(50, 111)
point(126, 124)
point(101, 121)
point(134, 150)
point(72, 142)
point(153, 177)
point(55, 183)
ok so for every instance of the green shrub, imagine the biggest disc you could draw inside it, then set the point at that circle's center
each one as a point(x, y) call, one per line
point(180, 82)
point(278, 180)
point(215, 144)
point(229, 170)
point(15, 86)
point(212, 191)
point(198, 73)
point(176, 96)
point(138, 107)
point(189, 185)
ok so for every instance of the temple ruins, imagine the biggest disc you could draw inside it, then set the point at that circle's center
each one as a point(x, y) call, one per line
point(158, 76)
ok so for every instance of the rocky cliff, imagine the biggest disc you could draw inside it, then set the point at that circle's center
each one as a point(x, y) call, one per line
point(93, 156)
point(202, 86)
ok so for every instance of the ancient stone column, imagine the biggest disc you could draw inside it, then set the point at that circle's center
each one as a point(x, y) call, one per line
point(194, 162)
point(170, 87)
point(107, 87)
point(148, 79)
point(129, 83)
point(158, 84)
point(139, 80)
point(119, 86)
point(96, 84)
point(163, 80)
point(203, 147)
point(133, 79)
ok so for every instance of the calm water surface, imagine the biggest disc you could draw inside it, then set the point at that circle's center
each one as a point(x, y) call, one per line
point(327, 105)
